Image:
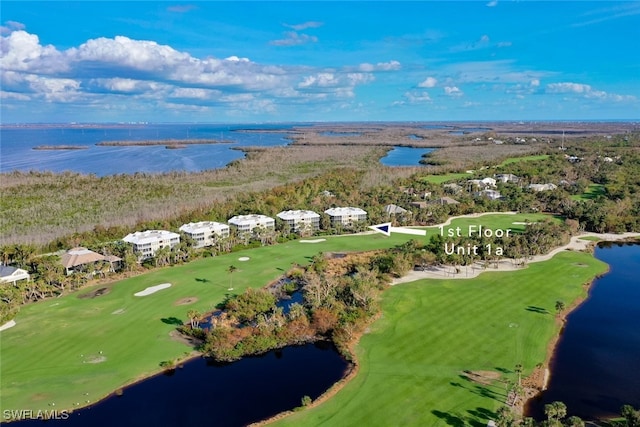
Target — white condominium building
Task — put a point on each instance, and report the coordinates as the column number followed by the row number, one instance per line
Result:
column 345, row 216
column 300, row 220
column 247, row 223
column 146, row 243
column 205, row 233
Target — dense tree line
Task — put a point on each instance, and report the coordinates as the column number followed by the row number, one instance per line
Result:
column 556, row 413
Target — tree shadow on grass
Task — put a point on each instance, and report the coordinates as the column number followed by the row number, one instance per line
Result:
column 489, row 391
column 171, row 321
column 535, row 309
column 481, row 416
column 202, row 280
column 449, row 419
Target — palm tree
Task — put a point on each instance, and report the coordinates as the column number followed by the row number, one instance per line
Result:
column 231, row 269
column 575, row 422
column 555, row 411
column 560, row 306
column 505, row 417
column 519, row 372
column 193, row 318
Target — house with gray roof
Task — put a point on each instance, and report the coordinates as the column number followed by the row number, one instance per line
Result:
column 12, row 274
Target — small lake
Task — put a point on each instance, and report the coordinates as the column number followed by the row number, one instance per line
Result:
column 202, row 393
column 404, row 156
column 596, row 365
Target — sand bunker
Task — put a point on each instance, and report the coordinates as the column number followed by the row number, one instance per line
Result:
column 186, row 301
column 94, row 359
column 523, row 223
column 313, row 241
column 9, row 324
column 152, row 289
column 244, row 258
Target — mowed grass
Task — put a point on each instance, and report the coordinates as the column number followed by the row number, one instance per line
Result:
column 47, row 357
column 524, row 159
column 412, row 361
column 440, row 179
column 591, row 238
column 593, row 191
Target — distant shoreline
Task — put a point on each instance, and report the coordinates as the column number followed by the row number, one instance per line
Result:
column 167, row 142
column 60, row 147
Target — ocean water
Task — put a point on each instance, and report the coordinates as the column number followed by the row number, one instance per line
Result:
column 17, row 147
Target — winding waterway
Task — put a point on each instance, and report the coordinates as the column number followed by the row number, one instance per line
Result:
column 596, row 365
column 233, row 394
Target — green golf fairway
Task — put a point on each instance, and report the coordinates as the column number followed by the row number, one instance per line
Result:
column 71, row 350
column 412, row 361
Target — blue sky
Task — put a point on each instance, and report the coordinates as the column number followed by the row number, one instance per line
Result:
column 123, row 61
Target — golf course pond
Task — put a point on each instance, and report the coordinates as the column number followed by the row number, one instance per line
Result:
column 202, row 392
column 595, row 366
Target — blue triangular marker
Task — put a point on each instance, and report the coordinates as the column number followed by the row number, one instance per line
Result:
column 382, row 228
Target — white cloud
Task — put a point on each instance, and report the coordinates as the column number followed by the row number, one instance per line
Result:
column 294, row 39
column 453, row 91
column 234, row 58
column 360, row 78
column 125, row 86
column 503, row 71
column 136, row 54
column 428, row 82
column 194, row 93
column 182, row 8
column 319, row 80
column 568, row 88
column 304, row 25
column 586, row 91
column 492, row 3
column 21, row 51
column 10, row 26
column 13, row 95
column 380, row 66
column 415, row 97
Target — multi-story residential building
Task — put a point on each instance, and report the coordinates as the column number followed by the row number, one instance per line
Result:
column 506, row 177
column 300, row 220
column 248, row 223
column 205, row 233
column 345, row 216
column 146, row 243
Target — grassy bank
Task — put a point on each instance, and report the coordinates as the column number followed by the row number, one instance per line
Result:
column 412, row 362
